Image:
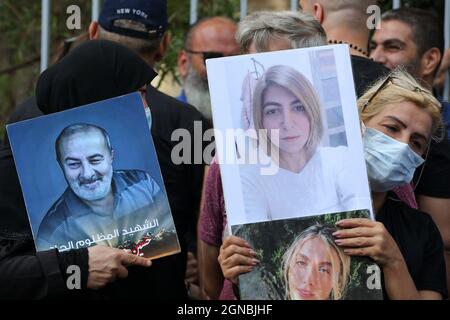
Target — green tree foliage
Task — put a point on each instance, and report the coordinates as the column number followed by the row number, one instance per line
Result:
column 20, row 45
column 20, row 37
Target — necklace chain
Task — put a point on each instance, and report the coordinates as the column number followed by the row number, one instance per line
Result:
column 352, row 46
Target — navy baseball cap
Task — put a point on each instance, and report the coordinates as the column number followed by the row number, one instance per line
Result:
column 151, row 14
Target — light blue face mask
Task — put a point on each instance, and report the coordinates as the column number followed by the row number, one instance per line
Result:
column 390, row 163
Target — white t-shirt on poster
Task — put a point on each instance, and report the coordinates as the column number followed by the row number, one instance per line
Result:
column 327, row 184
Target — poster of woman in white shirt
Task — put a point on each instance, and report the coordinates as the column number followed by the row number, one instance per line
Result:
column 297, row 108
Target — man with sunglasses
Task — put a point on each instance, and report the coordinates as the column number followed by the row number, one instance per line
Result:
column 413, row 38
column 211, row 37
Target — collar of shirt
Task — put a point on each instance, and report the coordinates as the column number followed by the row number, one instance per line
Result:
column 182, row 96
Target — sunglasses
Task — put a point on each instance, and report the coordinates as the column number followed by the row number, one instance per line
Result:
column 397, row 82
column 206, row 54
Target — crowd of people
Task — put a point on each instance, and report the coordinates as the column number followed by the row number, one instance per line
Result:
column 397, row 74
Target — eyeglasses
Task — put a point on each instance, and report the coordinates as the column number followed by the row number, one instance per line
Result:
column 390, row 80
column 206, row 54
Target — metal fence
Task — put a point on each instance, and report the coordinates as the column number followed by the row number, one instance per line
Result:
column 45, row 29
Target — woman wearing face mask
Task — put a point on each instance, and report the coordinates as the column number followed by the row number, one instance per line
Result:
column 400, row 118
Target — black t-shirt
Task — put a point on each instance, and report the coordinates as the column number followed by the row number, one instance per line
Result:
column 433, row 177
column 183, row 182
column 366, row 72
column 419, row 241
column 27, row 109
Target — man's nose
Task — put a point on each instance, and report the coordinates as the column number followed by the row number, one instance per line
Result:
column 87, row 172
column 378, row 55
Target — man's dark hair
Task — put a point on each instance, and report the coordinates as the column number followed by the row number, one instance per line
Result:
column 426, row 29
column 77, row 128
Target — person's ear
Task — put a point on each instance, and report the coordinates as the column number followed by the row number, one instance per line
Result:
column 163, row 46
column 183, row 63
column 430, row 62
column 112, row 155
column 319, row 12
column 93, row 30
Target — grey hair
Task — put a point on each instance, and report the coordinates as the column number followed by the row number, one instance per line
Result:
column 299, row 29
column 141, row 46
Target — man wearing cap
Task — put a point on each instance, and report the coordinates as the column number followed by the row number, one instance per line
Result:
column 211, row 37
column 138, row 24
column 142, row 26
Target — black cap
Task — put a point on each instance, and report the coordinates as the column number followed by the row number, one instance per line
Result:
column 152, row 14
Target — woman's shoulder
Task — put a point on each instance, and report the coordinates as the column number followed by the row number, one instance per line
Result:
column 400, row 213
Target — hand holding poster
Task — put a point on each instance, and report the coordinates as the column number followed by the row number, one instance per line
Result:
column 94, row 179
column 291, row 159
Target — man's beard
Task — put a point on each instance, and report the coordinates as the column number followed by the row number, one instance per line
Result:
column 413, row 68
column 197, row 92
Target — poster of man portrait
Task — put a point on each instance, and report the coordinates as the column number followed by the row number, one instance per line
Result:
column 288, row 134
column 304, row 263
column 90, row 176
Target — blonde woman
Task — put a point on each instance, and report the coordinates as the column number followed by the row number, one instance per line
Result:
column 314, row 267
column 400, row 117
